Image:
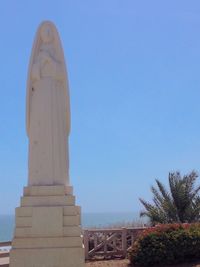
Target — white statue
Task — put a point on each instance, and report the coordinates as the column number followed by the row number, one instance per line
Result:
column 47, row 230
column 48, row 111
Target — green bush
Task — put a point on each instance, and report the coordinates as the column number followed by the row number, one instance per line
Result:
column 166, row 244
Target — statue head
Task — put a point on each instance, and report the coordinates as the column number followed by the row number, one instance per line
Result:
column 46, row 33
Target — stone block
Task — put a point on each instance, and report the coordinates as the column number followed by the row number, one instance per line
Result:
column 71, row 220
column 47, row 242
column 50, row 257
column 47, row 221
column 70, row 210
column 79, row 218
column 78, row 209
column 46, row 201
column 72, row 231
column 50, row 190
column 23, row 221
column 23, row 232
column 23, row 212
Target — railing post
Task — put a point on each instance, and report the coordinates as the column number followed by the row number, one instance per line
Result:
column 86, row 244
column 132, row 238
column 124, row 241
column 95, row 241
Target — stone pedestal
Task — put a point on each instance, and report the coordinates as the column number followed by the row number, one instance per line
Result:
column 47, row 232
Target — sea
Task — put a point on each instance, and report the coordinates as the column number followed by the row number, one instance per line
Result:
column 89, row 220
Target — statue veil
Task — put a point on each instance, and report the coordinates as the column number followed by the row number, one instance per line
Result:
column 59, row 56
column 48, row 110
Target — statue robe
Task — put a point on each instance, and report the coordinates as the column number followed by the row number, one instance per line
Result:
column 48, row 143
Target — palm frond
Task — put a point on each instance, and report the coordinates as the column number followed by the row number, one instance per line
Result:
column 180, row 204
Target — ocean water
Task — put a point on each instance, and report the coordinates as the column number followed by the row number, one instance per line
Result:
column 89, row 220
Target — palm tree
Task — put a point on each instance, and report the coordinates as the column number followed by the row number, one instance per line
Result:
column 181, row 204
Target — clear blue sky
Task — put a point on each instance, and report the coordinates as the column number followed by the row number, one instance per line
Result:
column 134, row 73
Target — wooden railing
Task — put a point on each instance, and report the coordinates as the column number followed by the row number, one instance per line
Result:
column 104, row 243
column 108, row 243
column 4, row 253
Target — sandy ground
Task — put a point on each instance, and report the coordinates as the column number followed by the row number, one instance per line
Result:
column 4, row 262
column 108, row 263
column 125, row 263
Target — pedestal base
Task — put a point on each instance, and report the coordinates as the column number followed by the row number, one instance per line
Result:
column 47, row 232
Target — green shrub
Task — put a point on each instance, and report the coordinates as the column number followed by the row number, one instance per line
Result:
column 166, row 244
